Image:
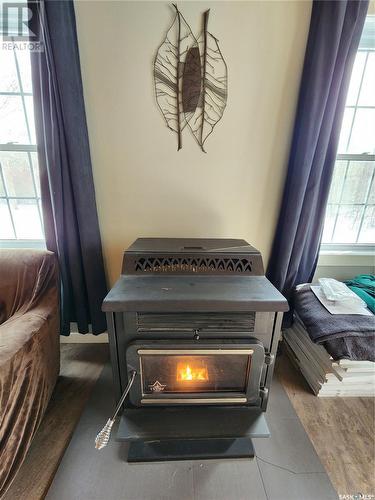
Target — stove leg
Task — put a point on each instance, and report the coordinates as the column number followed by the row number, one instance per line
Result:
column 190, row 449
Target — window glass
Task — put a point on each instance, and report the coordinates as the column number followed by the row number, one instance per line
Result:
column 8, row 73
column 347, row 224
column 367, row 96
column 23, row 59
column 25, row 213
column 357, row 182
column 6, row 227
column 346, row 127
column 367, row 234
column 17, row 174
column 338, row 181
column 13, row 127
column 356, row 78
column 363, row 132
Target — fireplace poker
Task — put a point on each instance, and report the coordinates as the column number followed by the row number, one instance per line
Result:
column 102, row 438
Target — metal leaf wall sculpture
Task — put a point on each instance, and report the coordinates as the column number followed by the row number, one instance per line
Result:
column 190, row 80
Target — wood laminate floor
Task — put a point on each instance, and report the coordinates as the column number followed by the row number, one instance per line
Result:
column 341, row 429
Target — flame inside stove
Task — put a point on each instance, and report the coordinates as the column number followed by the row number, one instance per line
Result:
column 191, row 371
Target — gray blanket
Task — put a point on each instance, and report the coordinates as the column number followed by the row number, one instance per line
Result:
column 345, row 336
column 354, row 348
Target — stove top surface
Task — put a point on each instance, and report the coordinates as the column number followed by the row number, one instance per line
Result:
column 191, row 246
column 158, row 293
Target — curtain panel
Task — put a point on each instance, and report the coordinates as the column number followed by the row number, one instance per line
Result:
column 67, row 188
column 334, row 35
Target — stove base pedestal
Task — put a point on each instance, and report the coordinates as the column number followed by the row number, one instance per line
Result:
column 191, row 433
column 188, row 422
column 190, row 449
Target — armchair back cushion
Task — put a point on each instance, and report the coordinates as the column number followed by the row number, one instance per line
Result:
column 25, row 276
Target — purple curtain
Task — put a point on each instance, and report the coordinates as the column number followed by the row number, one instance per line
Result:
column 333, row 40
column 67, row 188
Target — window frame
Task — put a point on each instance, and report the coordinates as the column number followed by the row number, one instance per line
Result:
column 353, row 247
column 22, row 148
column 357, row 248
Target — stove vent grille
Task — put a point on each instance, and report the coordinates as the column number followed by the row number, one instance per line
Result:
column 201, row 265
column 190, row 322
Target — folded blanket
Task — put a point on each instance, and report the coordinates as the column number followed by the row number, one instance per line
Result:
column 364, row 286
column 354, row 348
column 321, row 325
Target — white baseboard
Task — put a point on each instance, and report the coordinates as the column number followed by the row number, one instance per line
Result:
column 88, row 338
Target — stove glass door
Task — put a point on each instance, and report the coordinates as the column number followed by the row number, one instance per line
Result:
column 197, row 371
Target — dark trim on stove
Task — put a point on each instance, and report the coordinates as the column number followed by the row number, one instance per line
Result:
column 113, row 350
column 274, row 345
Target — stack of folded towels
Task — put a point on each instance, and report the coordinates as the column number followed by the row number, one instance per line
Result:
column 332, row 340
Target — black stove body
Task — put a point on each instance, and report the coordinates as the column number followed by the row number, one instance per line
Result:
column 199, row 323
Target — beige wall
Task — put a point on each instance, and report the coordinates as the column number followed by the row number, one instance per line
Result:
column 144, row 187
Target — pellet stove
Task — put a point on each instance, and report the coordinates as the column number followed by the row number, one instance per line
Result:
column 194, row 324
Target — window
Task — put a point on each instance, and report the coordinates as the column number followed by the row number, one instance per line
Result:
column 20, row 208
column 350, row 215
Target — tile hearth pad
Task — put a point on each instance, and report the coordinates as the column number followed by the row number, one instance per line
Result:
column 286, row 467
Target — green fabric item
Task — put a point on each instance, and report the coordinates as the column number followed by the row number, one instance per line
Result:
column 364, row 286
